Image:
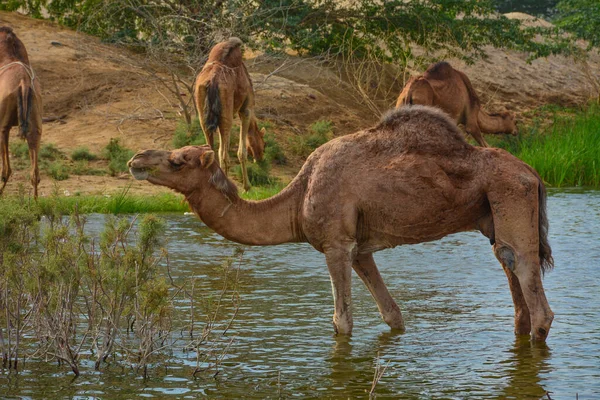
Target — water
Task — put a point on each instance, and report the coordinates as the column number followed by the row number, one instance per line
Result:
column 456, row 303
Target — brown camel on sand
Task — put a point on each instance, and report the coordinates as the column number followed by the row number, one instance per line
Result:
column 224, row 88
column 412, row 178
column 449, row 89
column 20, row 103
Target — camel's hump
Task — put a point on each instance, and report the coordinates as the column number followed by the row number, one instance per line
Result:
column 423, row 129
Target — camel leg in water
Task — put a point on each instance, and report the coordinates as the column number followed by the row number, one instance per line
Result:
column 339, row 262
column 242, row 152
column 517, row 247
column 6, row 171
column 522, row 318
column 366, row 269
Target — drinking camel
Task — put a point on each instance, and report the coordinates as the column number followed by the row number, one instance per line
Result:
column 451, row 90
column 20, row 104
column 411, row 179
column 224, row 88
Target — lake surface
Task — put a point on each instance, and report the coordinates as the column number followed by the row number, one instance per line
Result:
column 459, row 340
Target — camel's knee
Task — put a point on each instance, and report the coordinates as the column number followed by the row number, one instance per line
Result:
column 506, row 256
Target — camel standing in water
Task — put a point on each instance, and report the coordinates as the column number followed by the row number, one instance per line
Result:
column 222, row 89
column 20, row 103
column 449, row 89
column 411, row 179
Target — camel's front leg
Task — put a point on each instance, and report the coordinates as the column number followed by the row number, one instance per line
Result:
column 242, row 152
column 472, row 128
column 339, row 262
column 365, row 268
column 6, row 171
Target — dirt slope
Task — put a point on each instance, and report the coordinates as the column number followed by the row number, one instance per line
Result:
column 103, row 95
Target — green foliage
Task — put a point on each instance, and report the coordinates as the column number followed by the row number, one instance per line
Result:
column 57, row 170
column 321, row 133
column 117, row 157
column 566, row 153
column 184, row 136
column 82, row 153
column 20, row 154
column 50, row 152
column 581, row 17
column 273, row 152
column 258, row 173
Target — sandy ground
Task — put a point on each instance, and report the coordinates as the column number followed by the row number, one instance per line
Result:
column 103, row 95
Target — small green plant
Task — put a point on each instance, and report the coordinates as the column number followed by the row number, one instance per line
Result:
column 117, row 156
column 83, row 154
column 273, row 152
column 58, row 170
column 182, row 137
column 20, row 155
column 50, row 152
column 321, row 133
column 258, row 173
column 83, row 168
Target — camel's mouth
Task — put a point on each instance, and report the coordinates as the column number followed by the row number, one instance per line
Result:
column 140, row 174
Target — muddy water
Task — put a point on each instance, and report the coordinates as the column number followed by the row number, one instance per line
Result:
column 455, row 299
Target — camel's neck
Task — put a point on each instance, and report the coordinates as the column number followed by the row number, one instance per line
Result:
column 492, row 124
column 272, row 221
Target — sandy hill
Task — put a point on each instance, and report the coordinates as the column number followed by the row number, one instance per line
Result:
column 103, row 95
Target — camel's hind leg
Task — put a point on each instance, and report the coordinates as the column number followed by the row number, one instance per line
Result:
column 6, row 171
column 515, row 209
column 33, row 141
column 365, row 268
column 472, row 126
column 242, row 153
column 522, row 317
column 225, row 124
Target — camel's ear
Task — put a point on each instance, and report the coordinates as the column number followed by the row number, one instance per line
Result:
column 262, row 131
column 207, row 158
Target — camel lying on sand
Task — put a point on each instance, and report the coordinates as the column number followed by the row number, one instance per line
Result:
column 449, row 89
column 224, row 88
column 20, row 103
column 412, row 178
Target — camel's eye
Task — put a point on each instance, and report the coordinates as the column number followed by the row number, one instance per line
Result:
column 176, row 163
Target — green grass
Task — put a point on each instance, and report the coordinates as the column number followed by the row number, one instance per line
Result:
column 320, row 133
column 566, row 153
column 117, row 157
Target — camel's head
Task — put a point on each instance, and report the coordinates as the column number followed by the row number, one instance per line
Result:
column 255, row 142
column 509, row 121
column 182, row 170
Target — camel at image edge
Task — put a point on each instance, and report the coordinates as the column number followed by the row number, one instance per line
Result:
column 20, row 104
column 412, row 178
column 222, row 88
column 451, row 90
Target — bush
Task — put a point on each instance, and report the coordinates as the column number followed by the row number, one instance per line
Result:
column 273, row 152
column 258, row 173
column 322, row 132
column 182, row 137
column 57, row 170
column 117, row 157
column 82, row 153
column 50, row 152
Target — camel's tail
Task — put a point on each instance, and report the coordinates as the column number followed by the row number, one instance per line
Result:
column 546, row 259
column 212, row 107
column 25, row 100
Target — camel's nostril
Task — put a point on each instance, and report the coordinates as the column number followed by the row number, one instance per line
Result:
column 542, row 332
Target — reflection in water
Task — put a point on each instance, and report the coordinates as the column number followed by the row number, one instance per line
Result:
column 526, row 360
column 454, row 297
